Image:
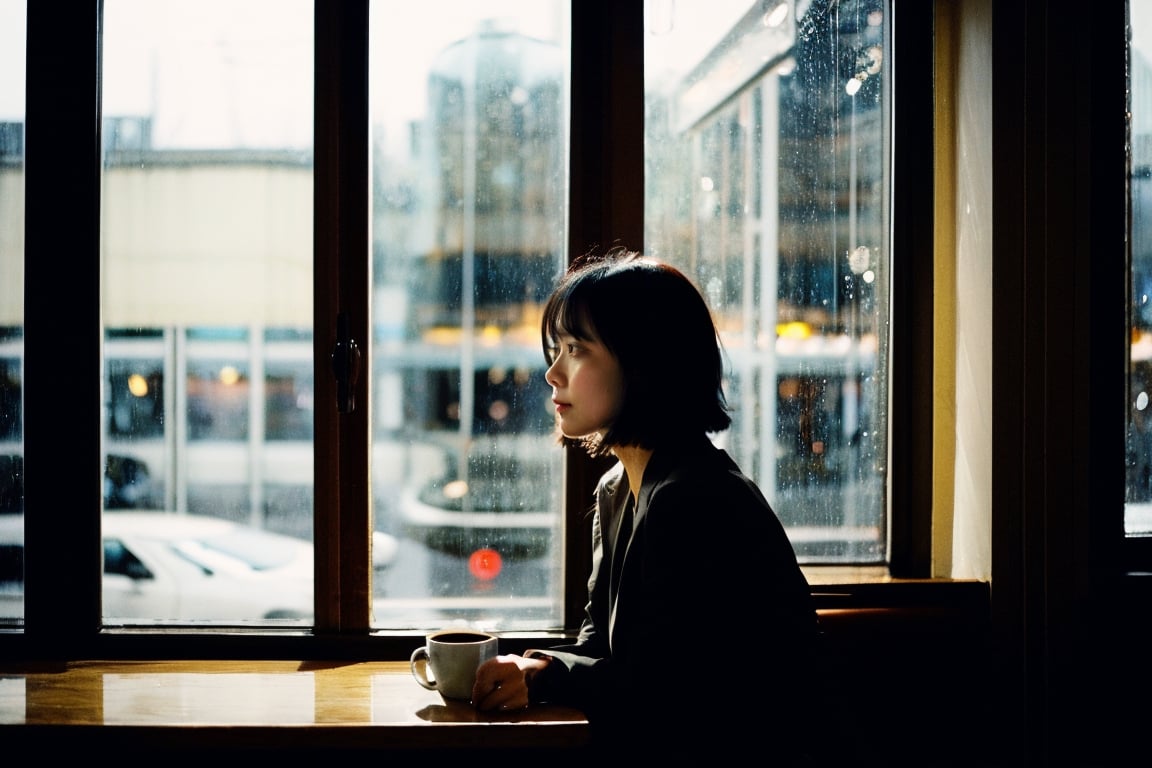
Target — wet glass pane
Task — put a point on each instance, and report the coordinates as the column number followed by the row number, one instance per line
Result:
column 207, row 308
column 1138, row 510
column 469, row 115
column 766, row 182
column 13, row 24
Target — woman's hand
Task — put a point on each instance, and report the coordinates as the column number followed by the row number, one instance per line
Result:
column 502, row 683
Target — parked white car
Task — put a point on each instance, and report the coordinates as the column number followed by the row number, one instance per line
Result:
column 172, row 567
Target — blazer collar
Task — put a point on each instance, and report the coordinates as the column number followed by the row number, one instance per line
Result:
column 664, row 461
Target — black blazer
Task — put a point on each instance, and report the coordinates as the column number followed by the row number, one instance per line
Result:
column 700, row 612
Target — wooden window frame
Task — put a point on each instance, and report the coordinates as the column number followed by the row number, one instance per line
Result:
column 63, row 584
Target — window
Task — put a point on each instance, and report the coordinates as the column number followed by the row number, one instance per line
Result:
column 12, row 71
column 766, row 177
column 230, row 286
column 468, row 113
column 206, row 264
column 1138, row 507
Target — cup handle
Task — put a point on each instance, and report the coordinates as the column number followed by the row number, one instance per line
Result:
column 420, row 670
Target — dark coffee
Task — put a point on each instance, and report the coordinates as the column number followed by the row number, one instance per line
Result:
column 460, row 637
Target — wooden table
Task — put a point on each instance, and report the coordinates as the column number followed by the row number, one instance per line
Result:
column 260, row 704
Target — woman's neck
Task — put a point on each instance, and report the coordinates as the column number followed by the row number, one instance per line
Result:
column 635, row 459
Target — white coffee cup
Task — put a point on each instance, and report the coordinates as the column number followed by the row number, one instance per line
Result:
column 452, row 656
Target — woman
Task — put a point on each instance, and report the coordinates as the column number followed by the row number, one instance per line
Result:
column 682, row 539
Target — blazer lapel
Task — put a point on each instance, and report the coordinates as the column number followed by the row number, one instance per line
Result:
column 621, row 536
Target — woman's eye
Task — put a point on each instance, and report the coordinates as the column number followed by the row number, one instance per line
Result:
column 572, row 349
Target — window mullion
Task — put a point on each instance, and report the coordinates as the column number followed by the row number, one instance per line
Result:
column 606, row 204
column 910, row 482
column 62, row 395
column 342, row 281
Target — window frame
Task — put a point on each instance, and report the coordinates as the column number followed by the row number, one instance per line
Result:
column 606, row 159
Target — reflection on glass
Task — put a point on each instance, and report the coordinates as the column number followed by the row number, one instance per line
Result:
column 288, row 402
column 13, row 23
column 765, row 178
column 135, row 397
column 1138, row 510
column 207, row 305
column 218, row 394
column 469, row 116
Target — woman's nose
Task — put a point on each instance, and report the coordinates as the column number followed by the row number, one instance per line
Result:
column 552, row 375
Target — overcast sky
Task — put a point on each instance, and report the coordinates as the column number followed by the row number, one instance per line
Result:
column 204, row 71
column 240, row 73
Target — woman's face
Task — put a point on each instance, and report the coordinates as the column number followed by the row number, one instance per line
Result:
column 587, row 386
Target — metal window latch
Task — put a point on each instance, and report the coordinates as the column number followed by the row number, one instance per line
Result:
column 345, row 366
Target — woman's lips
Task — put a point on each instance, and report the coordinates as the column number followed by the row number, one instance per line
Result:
column 561, row 407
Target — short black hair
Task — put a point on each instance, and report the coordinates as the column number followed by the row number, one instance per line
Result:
column 655, row 322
